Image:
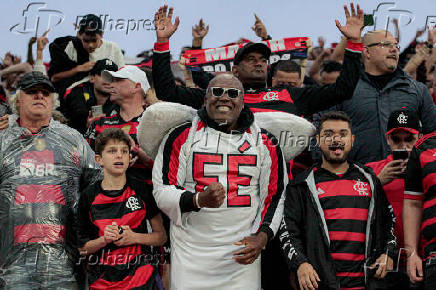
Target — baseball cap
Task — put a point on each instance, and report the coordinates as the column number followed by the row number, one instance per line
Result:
column 251, row 47
column 34, row 78
column 101, row 65
column 404, row 120
column 130, row 72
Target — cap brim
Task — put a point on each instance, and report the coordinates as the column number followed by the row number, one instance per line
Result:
column 46, row 85
column 108, row 75
column 256, row 47
column 410, row 130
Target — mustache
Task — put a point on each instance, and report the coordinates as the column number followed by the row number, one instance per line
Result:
column 336, row 146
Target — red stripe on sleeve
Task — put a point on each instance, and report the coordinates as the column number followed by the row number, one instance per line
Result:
column 174, row 157
column 273, row 177
column 427, row 157
column 429, row 203
column 39, row 233
column 428, row 222
column 39, row 194
column 429, row 181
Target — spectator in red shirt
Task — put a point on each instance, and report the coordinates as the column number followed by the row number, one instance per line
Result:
column 403, row 130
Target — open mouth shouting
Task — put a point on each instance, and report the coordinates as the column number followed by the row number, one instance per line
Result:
column 337, row 149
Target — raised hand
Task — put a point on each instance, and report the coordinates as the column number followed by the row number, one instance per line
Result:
column 354, row 25
column 200, row 30
column 259, row 28
column 42, row 41
column 163, row 23
column 431, row 35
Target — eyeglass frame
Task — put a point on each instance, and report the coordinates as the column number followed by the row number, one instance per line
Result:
column 385, row 44
column 225, row 92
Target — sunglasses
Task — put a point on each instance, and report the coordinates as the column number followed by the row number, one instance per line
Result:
column 219, row 92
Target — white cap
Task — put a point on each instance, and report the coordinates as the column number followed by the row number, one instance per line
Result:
column 130, row 72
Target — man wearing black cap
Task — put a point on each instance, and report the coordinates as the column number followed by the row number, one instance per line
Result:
column 403, row 130
column 250, row 67
column 73, row 57
column 77, row 102
column 43, row 163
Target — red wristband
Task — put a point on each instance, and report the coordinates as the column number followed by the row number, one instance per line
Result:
column 165, row 46
column 354, row 46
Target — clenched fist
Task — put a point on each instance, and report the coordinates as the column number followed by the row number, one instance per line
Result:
column 212, row 197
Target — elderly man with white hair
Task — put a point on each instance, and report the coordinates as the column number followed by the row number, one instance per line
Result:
column 42, row 165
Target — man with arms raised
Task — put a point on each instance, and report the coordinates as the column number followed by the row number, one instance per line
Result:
column 250, row 67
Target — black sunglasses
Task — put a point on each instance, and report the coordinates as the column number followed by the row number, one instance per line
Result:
column 218, row 92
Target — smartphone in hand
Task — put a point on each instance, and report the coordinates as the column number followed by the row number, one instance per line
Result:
column 97, row 110
column 402, row 154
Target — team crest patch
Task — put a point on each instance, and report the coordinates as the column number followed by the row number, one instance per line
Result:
column 133, row 203
column 402, row 119
column 361, row 187
column 271, row 96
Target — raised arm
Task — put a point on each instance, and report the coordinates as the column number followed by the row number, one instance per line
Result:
column 310, row 100
column 163, row 79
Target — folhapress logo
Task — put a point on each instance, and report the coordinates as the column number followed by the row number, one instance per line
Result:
column 37, row 18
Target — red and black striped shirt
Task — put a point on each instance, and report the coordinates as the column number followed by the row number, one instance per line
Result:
column 421, row 185
column 120, row 267
column 345, row 201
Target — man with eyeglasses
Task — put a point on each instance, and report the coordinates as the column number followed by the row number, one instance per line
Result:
column 42, row 165
column 403, row 131
column 220, row 180
column 381, row 90
column 338, row 225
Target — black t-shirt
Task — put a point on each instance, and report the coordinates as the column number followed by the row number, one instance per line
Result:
column 380, row 81
column 132, row 206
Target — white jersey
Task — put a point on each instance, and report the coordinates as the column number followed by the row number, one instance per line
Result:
column 253, row 172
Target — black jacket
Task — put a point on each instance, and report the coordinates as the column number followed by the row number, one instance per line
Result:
column 299, row 101
column 303, row 232
column 77, row 103
column 61, row 62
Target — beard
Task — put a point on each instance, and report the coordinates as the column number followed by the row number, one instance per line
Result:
column 334, row 159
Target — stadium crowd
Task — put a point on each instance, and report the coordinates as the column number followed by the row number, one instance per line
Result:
column 167, row 174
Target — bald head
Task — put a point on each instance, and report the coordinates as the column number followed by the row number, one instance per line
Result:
column 226, row 80
column 375, row 36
